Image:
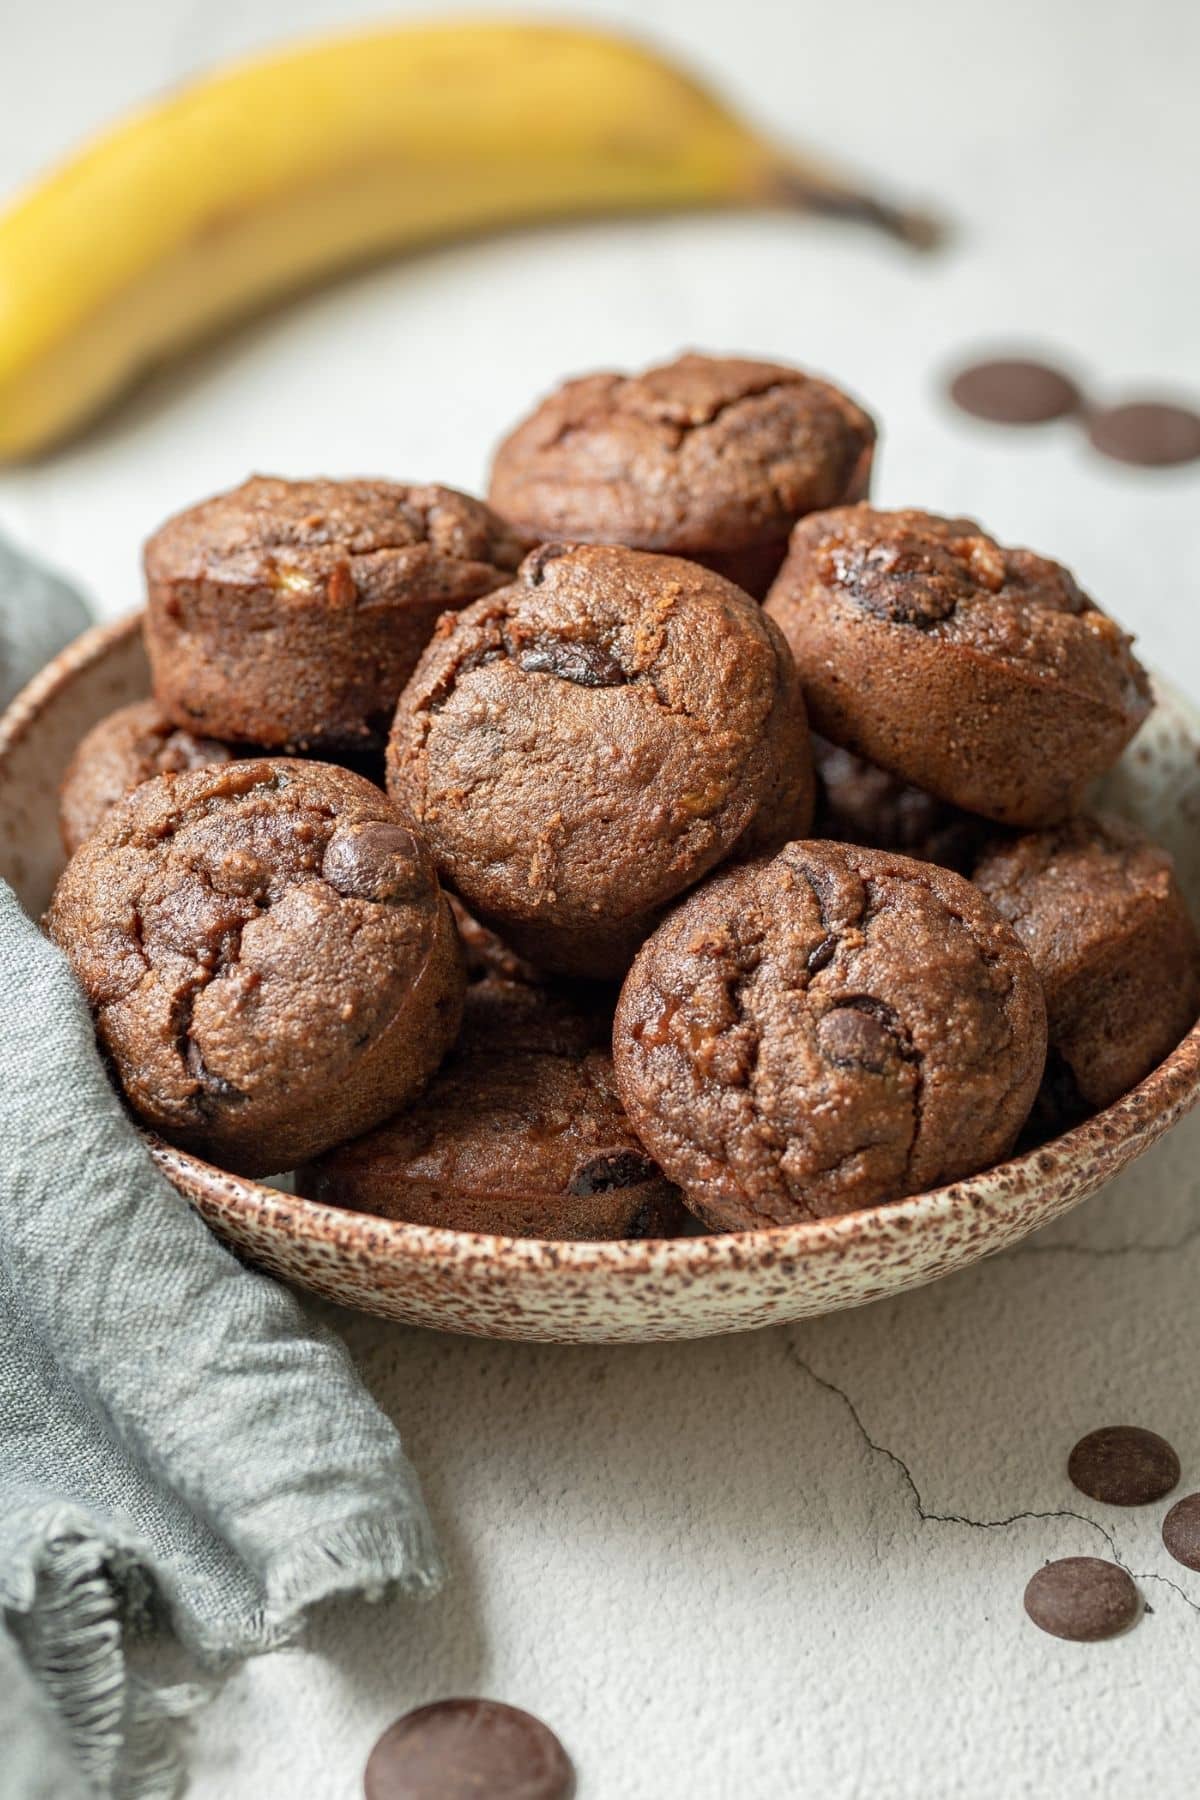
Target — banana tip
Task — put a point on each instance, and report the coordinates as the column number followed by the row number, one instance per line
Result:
column 919, row 229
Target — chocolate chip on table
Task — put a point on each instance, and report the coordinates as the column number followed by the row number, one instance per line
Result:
column 1123, row 1465
column 463, row 1749
column 1181, row 1531
column 1151, row 433
column 1082, row 1598
column 1014, row 391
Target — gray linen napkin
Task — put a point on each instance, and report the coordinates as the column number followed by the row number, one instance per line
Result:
column 181, row 1449
column 39, row 613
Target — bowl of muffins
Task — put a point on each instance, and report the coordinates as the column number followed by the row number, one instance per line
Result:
column 674, row 896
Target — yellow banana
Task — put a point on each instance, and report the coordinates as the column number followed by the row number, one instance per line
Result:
column 276, row 172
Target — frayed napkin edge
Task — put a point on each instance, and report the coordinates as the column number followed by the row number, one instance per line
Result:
column 365, row 1555
column 82, row 1591
column 85, row 1592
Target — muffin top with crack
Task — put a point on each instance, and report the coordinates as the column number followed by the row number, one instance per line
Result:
column 828, row 1030
column 981, row 674
column 355, row 542
column 270, row 960
column 704, row 454
column 582, row 746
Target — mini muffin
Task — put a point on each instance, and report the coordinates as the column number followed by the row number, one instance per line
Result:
column 520, row 1133
column 980, row 674
column 582, row 746
column 860, row 804
column 128, row 747
column 270, row 960
column 831, row 1029
column 291, row 613
column 1099, row 910
column 711, row 458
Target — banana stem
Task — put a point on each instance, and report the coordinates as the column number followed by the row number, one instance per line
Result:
column 808, row 190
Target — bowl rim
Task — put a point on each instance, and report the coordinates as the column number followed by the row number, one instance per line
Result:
column 1163, row 1096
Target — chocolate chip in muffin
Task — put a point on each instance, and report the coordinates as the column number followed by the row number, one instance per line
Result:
column 983, row 675
column 710, row 458
column 1099, row 910
column 581, row 747
column 269, row 958
column 519, row 1133
column 291, row 613
column 832, row 1029
column 376, row 860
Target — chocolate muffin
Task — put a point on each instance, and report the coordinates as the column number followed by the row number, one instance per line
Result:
column 291, row 613
column 126, row 748
column 582, row 746
column 831, row 1029
column 269, row 958
column 1099, row 910
column 980, row 674
column 860, row 804
column 519, row 1133
column 712, row 458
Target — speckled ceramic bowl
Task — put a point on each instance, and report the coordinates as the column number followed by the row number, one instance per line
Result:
column 687, row 1287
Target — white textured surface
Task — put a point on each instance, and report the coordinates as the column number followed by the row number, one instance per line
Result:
column 723, row 1568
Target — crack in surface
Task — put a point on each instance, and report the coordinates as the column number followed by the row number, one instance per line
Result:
column 950, row 1518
